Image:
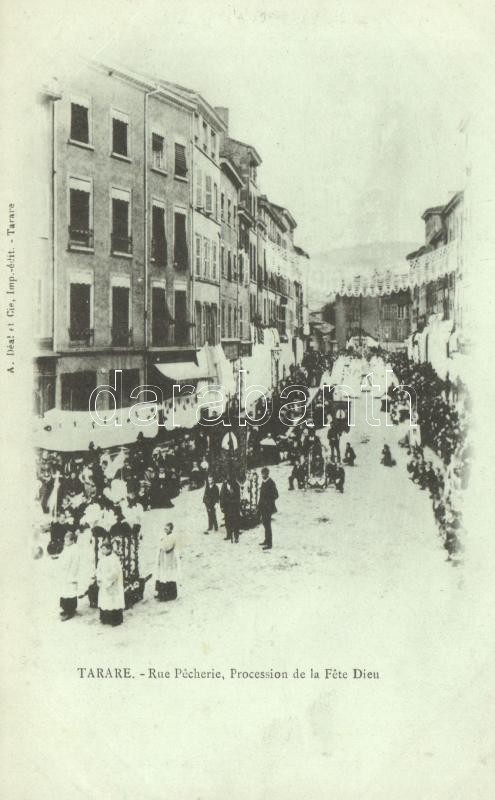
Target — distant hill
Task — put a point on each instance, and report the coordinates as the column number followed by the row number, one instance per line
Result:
column 327, row 269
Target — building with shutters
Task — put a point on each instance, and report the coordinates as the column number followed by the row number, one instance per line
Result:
column 443, row 250
column 115, row 288
column 234, row 278
column 151, row 239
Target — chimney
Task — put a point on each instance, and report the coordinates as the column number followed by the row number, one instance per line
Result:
column 223, row 113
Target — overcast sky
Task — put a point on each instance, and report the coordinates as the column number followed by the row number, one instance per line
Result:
column 354, row 107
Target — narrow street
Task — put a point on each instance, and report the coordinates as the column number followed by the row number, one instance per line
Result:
column 335, row 557
column 355, row 581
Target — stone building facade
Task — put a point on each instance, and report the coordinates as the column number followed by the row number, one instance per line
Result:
column 150, row 223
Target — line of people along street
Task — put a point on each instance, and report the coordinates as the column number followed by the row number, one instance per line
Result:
column 92, row 491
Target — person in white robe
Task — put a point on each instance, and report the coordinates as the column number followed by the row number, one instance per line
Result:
column 69, row 561
column 167, row 566
column 110, row 580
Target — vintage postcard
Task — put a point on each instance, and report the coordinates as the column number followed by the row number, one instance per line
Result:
column 248, row 257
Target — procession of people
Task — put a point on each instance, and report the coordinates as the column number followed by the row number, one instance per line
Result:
column 95, row 500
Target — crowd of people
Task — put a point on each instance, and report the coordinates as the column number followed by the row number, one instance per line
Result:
column 95, row 500
column 442, row 415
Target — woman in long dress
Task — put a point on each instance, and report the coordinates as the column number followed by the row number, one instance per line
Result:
column 110, row 580
column 167, row 566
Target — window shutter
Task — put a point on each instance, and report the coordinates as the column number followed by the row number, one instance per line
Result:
column 199, row 189
column 208, row 194
column 157, row 150
column 159, row 241
column 180, row 241
column 180, row 161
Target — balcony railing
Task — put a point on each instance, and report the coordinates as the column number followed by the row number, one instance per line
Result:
column 80, row 237
column 121, row 337
column 79, row 337
column 121, row 244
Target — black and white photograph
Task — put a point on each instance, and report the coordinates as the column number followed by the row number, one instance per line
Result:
column 248, row 259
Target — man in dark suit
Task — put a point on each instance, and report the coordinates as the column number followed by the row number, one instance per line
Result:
column 211, row 497
column 266, row 506
column 230, row 503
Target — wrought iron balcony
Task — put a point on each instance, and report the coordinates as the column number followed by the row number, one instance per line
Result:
column 121, row 337
column 80, row 237
column 121, row 244
column 79, row 337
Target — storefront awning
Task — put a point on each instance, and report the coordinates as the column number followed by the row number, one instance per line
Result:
column 186, row 370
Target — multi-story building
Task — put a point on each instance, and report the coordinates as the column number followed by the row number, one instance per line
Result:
column 234, row 287
column 246, row 161
column 280, row 278
column 383, row 317
column 435, row 277
column 120, row 273
column 152, row 226
column 435, row 267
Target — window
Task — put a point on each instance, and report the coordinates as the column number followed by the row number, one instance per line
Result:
column 234, row 257
column 229, row 322
column 197, row 255
column 234, row 217
column 222, row 320
column 180, row 161
column 229, row 211
column 180, row 241
column 180, row 318
column 222, row 207
column 80, row 214
column 235, row 323
column 79, row 121
column 120, row 316
column 213, row 144
column 222, row 260
column 241, row 268
column 158, row 151
column 229, row 266
column 213, row 261
column 241, row 322
column 80, row 312
column 215, row 200
column 76, row 390
column 120, row 134
column 205, row 137
column 158, row 238
column 121, row 222
column 208, row 195
column 130, row 380
column 206, row 258
column 402, row 312
column 160, row 317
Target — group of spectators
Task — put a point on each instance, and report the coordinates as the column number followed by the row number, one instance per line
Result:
column 442, row 416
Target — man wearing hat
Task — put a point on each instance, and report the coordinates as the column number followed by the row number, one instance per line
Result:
column 266, row 505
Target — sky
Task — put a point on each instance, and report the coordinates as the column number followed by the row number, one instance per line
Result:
column 355, row 107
